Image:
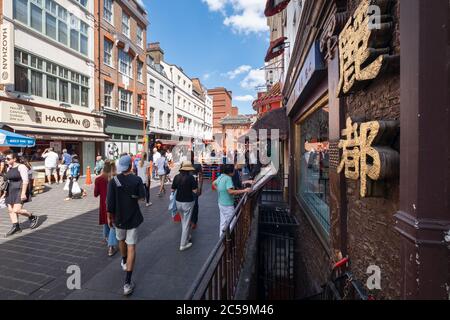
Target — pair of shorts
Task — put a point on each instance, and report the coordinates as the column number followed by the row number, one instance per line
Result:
column 50, row 171
column 130, row 236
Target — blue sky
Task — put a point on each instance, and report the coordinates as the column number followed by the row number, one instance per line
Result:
column 223, row 42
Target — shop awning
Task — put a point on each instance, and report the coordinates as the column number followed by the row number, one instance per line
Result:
column 276, row 49
column 275, row 6
column 273, row 95
column 60, row 134
column 11, row 139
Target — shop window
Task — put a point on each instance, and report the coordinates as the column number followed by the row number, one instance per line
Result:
column 312, row 180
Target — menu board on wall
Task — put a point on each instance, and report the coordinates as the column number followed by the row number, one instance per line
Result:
column 56, row 145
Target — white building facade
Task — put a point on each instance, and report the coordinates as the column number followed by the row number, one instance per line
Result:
column 178, row 105
column 52, row 96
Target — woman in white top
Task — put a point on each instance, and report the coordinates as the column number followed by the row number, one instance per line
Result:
column 161, row 165
column 143, row 171
column 17, row 193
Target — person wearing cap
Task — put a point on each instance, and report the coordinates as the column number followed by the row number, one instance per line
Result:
column 186, row 186
column 124, row 192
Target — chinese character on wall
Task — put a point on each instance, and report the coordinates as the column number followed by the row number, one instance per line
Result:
column 364, row 45
column 366, row 153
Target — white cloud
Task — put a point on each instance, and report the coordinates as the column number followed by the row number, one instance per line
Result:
column 239, row 70
column 206, row 76
column 244, row 98
column 243, row 16
column 254, row 78
column 215, row 5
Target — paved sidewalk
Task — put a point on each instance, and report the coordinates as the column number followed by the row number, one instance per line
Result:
column 33, row 264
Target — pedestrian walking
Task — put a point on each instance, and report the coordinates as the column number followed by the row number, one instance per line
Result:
column 101, row 190
column 143, row 171
column 66, row 160
column 225, row 188
column 3, row 182
column 198, row 176
column 24, row 160
column 51, row 164
column 162, row 170
column 185, row 185
column 99, row 165
column 17, row 193
column 155, row 157
column 124, row 192
column 74, row 174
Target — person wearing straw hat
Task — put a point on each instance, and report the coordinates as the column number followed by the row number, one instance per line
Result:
column 186, row 186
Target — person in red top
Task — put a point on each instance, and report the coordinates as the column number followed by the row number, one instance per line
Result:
column 100, row 190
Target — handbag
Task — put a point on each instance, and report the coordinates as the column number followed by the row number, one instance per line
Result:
column 4, row 183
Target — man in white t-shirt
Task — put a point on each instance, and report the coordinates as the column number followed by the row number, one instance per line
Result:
column 51, row 164
column 156, row 156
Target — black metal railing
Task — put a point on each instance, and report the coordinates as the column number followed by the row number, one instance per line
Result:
column 219, row 276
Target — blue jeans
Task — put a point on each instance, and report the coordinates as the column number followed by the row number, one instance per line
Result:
column 110, row 233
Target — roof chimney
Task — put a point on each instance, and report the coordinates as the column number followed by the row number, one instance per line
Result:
column 155, row 51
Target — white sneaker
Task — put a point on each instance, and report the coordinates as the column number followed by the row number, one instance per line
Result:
column 128, row 289
column 182, row 248
column 148, row 204
column 123, row 265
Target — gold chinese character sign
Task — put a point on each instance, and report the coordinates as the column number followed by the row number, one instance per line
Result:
column 366, row 153
column 364, row 45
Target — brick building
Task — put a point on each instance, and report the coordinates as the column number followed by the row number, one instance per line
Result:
column 222, row 106
column 387, row 204
column 121, row 73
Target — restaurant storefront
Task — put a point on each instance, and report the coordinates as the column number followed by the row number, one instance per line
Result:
column 125, row 134
column 80, row 133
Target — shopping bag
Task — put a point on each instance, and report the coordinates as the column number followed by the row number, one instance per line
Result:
column 173, row 204
column 66, row 186
column 76, row 188
column 177, row 218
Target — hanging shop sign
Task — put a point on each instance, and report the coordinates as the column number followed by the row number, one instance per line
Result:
column 310, row 74
column 7, row 54
column 364, row 45
column 366, row 152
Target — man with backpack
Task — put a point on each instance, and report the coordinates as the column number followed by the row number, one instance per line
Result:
column 124, row 192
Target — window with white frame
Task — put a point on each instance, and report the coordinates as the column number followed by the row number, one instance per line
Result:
column 152, row 87
column 52, row 20
column 40, row 77
column 125, row 24
column 108, row 95
column 140, row 66
column 125, row 63
column 169, row 121
column 108, row 52
column 108, row 10
column 140, row 36
column 126, row 101
column 161, row 118
column 152, row 116
column 169, row 97
column 161, row 92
